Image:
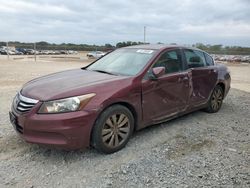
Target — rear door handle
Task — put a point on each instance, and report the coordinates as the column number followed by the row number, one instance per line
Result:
column 185, row 78
column 212, row 71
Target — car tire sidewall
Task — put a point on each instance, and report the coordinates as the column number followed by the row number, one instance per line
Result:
column 96, row 138
column 209, row 107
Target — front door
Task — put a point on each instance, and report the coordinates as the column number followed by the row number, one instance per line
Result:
column 167, row 95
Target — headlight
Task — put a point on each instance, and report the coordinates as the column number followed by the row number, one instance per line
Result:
column 66, row 105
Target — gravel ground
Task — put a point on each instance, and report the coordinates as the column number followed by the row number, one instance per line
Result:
column 196, row 150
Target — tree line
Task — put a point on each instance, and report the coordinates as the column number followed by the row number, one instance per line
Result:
column 220, row 49
column 214, row 49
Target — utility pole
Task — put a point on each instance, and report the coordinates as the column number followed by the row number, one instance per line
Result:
column 35, row 50
column 65, row 53
column 7, row 44
column 144, row 34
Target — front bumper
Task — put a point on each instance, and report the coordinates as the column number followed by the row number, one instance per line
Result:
column 67, row 130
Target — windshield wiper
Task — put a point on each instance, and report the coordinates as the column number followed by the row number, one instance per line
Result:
column 105, row 72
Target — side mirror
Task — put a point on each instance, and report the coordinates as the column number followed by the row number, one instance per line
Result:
column 157, row 72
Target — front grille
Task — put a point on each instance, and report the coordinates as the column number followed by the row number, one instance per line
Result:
column 23, row 104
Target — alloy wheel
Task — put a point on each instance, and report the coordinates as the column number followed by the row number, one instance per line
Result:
column 217, row 98
column 115, row 130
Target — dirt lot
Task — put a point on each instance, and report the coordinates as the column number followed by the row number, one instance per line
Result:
column 197, row 150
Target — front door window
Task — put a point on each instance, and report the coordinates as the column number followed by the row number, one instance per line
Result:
column 171, row 60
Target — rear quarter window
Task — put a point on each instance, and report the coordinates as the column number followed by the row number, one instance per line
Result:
column 209, row 60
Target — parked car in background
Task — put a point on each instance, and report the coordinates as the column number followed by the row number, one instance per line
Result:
column 3, row 51
column 30, row 52
column 11, row 52
column 63, row 52
column 126, row 90
column 95, row 54
column 232, row 58
column 72, row 52
column 22, row 50
column 18, row 52
column 246, row 59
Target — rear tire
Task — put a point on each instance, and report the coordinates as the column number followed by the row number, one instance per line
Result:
column 215, row 101
column 112, row 129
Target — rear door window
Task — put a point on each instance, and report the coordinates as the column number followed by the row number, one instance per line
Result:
column 209, row 60
column 194, row 58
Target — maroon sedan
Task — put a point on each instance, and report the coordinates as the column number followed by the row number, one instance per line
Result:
column 126, row 90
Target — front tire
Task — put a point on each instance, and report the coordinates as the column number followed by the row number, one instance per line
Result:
column 215, row 101
column 112, row 129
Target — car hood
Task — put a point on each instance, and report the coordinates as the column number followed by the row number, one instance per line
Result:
column 66, row 84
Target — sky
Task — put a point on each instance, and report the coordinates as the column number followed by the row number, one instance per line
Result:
column 224, row 22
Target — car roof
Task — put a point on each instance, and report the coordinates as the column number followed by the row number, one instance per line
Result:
column 153, row 46
column 158, row 47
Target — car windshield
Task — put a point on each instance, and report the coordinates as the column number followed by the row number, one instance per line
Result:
column 123, row 62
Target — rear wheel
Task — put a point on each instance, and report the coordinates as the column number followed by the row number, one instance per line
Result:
column 215, row 101
column 112, row 129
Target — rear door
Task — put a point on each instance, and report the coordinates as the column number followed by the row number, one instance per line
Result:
column 169, row 94
column 204, row 76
